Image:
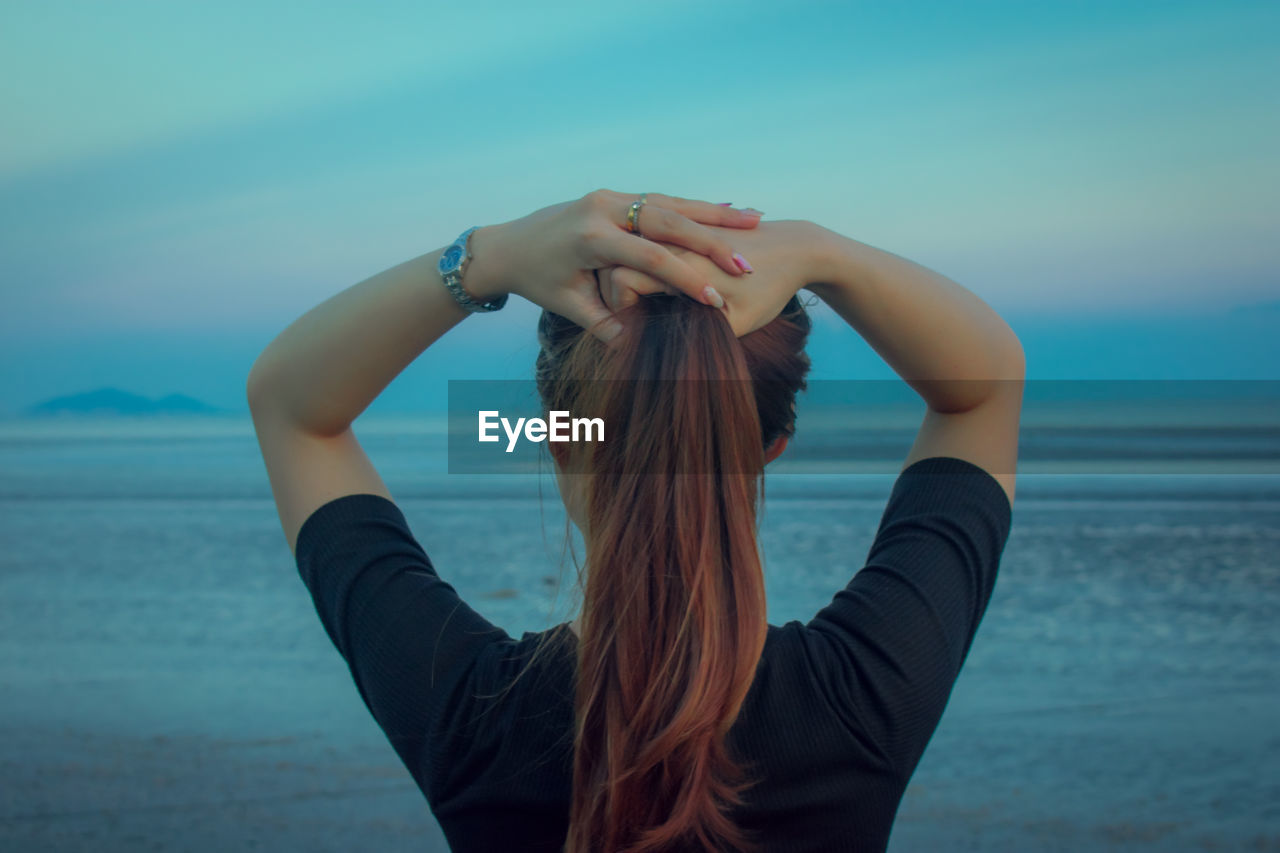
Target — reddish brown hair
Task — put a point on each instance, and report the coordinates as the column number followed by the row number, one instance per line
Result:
column 673, row 615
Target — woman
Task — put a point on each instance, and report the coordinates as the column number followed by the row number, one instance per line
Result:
column 669, row 715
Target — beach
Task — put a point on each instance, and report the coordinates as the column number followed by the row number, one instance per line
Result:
column 168, row 685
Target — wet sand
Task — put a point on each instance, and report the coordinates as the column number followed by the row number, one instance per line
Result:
column 1064, row 778
column 167, row 685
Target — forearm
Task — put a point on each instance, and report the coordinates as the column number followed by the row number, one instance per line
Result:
column 948, row 344
column 326, row 368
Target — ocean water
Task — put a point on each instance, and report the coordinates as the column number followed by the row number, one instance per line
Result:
column 168, row 686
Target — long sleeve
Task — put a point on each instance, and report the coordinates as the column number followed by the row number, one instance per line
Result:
column 893, row 641
column 409, row 640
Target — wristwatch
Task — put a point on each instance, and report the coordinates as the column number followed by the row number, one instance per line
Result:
column 452, row 262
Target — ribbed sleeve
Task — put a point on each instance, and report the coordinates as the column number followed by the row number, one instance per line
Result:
column 408, row 639
column 894, row 639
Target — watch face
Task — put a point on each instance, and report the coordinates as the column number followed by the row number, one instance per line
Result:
column 449, row 260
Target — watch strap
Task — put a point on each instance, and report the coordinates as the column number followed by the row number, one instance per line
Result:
column 452, row 267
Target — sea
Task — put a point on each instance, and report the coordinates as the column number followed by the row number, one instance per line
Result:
column 168, row 686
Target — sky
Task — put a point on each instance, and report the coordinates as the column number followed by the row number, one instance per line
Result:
column 178, row 182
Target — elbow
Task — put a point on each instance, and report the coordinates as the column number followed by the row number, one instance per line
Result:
column 252, row 392
column 994, row 367
column 999, row 371
column 1012, row 360
column 1008, row 367
column 256, row 386
column 1006, row 360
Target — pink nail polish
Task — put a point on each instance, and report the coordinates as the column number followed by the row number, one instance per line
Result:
column 713, row 299
column 742, row 263
column 725, row 203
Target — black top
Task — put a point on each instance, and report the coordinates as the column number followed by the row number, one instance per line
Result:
column 836, row 721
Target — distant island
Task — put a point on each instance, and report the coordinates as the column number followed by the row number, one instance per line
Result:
column 113, row 401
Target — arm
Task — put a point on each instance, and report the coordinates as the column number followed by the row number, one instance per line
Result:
column 949, row 345
column 320, row 373
column 899, row 633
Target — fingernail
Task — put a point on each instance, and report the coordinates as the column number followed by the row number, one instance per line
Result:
column 742, row 263
column 751, row 211
column 726, row 204
column 713, row 299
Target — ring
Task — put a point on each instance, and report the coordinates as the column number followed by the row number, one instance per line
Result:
column 633, row 215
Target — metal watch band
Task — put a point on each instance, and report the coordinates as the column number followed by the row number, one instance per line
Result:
column 451, row 267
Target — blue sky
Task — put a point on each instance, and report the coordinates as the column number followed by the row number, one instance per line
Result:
column 178, row 182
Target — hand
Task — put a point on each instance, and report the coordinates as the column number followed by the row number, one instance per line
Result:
column 550, row 256
column 783, row 254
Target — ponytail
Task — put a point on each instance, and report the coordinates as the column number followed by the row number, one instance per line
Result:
column 673, row 620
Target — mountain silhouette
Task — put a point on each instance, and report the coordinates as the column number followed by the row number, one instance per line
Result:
column 113, row 401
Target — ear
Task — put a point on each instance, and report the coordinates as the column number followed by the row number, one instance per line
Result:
column 775, row 449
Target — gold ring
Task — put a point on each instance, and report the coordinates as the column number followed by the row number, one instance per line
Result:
column 633, row 215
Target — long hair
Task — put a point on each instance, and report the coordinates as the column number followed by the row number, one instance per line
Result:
column 673, row 616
